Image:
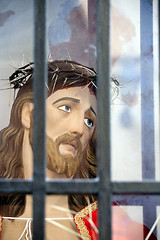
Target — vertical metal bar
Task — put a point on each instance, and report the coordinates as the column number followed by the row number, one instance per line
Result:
column 103, row 147
column 39, row 119
column 147, row 102
column 147, row 88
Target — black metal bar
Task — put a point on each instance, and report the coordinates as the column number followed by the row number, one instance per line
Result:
column 39, row 146
column 103, row 146
column 73, row 186
column 16, row 186
column 51, row 187
column 76, row 185
column 146, row 187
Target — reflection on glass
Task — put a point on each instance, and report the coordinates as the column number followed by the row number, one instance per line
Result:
column 72, row 30
column 135, row 217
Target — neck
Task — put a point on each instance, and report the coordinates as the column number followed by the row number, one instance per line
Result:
column 56, row 206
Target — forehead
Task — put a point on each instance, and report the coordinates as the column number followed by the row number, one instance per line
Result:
column 83, row 94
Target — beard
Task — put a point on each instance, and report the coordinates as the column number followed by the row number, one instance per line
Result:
column 62, row 163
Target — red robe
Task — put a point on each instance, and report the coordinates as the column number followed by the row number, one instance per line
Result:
column 123, row 227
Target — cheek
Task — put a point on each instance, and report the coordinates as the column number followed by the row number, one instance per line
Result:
column 52, row 122
column 55, row 123
column 86, row 137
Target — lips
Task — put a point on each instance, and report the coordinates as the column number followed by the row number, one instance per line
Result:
column 71, row 144
column 68, row 142
column 69, row 147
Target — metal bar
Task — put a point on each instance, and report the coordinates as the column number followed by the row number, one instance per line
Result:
column 147, row 102
column 147, row 187
column 103, row 145
column 39, row 148
column 73, row 186
column 56, row 186
column 150, row 216
column 67, row 186
column 147, row 88
column 76, row 185
column 16, row 186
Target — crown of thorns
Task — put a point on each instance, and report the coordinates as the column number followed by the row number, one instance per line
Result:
column 65, row 70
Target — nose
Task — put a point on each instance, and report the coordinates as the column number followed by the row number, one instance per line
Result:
column 77, row 126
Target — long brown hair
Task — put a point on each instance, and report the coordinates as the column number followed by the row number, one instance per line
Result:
column 61, row 74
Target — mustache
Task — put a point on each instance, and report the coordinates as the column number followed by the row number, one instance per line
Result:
column 69, row 139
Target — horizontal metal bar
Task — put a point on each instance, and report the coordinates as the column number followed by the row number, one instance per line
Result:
column 145, row 187
column 78, row 186
column 73, row 186
column 52, row 187
column 16, row 186
column 93, row 186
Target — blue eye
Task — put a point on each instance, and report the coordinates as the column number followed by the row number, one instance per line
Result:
column 88, row 122
column 65, row 108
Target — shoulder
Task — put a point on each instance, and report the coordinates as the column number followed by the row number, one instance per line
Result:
column 123, row 227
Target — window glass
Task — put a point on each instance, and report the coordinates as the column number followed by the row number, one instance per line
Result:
column 135, row 110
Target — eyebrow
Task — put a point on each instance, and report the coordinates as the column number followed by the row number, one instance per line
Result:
column 73, row 100
column 93, row 110
column 67, row 98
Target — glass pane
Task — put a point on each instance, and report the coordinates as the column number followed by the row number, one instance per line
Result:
column 125, row 53
column 135, row 106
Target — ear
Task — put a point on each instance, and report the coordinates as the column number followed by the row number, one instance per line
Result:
column 26, row 115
